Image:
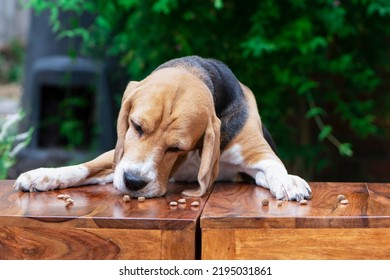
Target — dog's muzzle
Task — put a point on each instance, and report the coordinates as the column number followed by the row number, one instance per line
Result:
column 134, row 182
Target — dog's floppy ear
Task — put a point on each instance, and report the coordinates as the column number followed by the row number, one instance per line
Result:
column 209, row 165
column 123, row 121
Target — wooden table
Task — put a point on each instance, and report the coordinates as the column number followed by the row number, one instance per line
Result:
column 235, row 225
column 99, row 225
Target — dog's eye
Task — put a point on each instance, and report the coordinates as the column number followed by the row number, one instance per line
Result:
column 137, row 128
column 174, row 150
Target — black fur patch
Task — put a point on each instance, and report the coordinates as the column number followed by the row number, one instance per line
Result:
column 230, row 104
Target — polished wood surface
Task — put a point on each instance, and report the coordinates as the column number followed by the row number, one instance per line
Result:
column 97, row 207
column 99, row 225
column 296, row 244
column 235, row 225
column 239, row 205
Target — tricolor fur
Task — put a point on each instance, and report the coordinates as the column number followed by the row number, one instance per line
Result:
column 189, row 120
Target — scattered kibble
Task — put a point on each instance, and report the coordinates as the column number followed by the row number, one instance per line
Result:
column 141, row 199
column 344, row 201
column 195, row 204
column 63, row 196
column 126, row 198
column 173, row 203
column 69, row 200
column 303, row 202
column 279, row 203
column 265, row 202
column 182, row 201
column 66, row 198
column 340, row 197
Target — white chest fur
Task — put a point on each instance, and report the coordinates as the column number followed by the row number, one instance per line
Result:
column 230, row 164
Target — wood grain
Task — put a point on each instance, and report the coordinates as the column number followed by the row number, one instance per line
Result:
column 97, row 206
column 297, row 244
column 239, row 205
column 235, row 225
column 74, row 243
column 99, row 225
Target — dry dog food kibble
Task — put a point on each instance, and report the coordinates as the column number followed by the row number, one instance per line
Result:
column 126, row 198
column 265, row 202
column 182, row 200
column 68, row 202
column 63, row 196
column 141, row 199
column 195, row 204
column 340, row 197
column 303, row 202
column 173, row 203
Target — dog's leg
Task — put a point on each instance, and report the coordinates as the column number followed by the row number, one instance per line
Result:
column 96, row 171
column 259, row 160
column 272, row 174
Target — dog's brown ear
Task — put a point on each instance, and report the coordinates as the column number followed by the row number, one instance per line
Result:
column 209, row 165
column 123, row 121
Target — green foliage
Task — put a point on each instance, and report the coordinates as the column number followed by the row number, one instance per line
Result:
column 11, row 58
column 321, row 62
column 11, row 143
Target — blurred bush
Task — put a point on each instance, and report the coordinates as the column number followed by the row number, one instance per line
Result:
column 11, row 142
column 318, row 68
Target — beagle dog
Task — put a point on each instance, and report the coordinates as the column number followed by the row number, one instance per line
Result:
column 189, row 120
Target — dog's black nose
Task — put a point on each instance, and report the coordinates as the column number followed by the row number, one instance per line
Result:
column 133, row 182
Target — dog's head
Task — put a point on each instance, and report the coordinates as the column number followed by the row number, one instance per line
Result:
column 163, row 117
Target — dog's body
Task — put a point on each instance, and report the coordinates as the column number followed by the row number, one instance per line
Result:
column 189, row 120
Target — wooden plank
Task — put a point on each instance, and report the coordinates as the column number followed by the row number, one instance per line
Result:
column 75, row 243
column 218, row 244
column 235, row 225
column 99, row 225
column 239, row 206
column 300, row 244
column 97, row 207
column 177, row 245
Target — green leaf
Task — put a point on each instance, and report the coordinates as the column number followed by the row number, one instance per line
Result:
column 325, row 132
column 345, row 149
column 306, row 86
column 257, row 46
column 315, row 111
column 383, row 9
column 103, row 23
column 164, row 6
column 218, row 4
column 127, row 4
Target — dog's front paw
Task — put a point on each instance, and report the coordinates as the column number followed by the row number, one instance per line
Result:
column 282, row 185
column 40, row 179
column 290, row 187
column 46, row 179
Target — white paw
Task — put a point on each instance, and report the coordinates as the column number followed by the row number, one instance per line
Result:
column 45, row 179
column 290, row 187
column 282, row 185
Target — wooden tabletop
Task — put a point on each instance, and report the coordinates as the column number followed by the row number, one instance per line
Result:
column 97, row 207
column 239, row 206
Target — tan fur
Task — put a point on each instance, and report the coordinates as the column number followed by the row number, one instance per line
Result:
column 173, row 108
column 254, row 146
column 166, row 124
